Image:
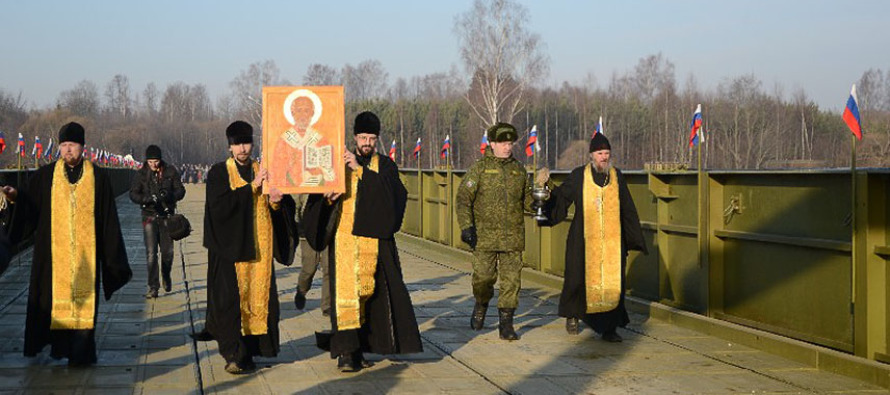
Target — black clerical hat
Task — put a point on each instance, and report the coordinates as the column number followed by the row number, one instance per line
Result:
column 599, row 142
column 73, row 132
column 239, row 132
column 366, row 122
column 153, row 152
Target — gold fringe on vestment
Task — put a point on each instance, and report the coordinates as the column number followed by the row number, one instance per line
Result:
column 355, row 259
column 73, row 239
column 254, row 277
column 602, row 243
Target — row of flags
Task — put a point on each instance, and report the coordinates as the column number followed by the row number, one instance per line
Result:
column 850, row 117
column 696, row 134
column 52, row 152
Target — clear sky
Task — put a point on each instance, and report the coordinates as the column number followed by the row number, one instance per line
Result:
column 821, row 46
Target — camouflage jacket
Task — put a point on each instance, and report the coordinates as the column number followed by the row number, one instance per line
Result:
column 492, row 197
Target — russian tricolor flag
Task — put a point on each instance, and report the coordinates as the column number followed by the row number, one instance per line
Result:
column 20, row 149
column 484, row 144
column 416, row 152
column 851, row 114
column 392, row 151
column 445, row 147
column 531, row 146
column 695, row 134
column 49, row 149
column 599, row 127
column 37, row 151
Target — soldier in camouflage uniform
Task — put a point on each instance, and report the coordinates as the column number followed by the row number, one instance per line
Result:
column 490, row 205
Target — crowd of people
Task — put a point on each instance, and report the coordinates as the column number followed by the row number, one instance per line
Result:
column 192, row 173
column 69, row 208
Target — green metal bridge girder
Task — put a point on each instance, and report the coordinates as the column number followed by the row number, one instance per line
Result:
column 801, row 254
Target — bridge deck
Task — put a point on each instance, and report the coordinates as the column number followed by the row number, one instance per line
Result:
column 144, row 347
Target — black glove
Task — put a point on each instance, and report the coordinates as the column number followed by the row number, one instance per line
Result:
column 468, row 236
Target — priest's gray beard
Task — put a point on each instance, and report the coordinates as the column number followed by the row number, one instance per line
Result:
column 604, row 169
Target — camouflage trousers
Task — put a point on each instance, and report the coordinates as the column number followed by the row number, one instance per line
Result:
column 490, row 266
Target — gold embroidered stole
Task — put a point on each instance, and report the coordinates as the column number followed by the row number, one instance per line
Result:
column 254, row 277
column 602, row 243
column 73, row 238
column 355, row 259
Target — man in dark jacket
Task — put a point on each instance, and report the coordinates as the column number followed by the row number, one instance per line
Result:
column 157, row 187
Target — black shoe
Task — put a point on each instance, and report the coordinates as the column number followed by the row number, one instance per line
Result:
column 477, row 320
column 360, row 362
column 505, row 326
column 572, row 326
column 202, row 336
column 346, row 364
column 612, row 337
column 168, row 284
column 300, row 300
column 151, row 294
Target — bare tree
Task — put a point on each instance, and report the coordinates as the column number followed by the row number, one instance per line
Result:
column 82, row 100
column 365, row 81
column 247, row 89
column 117, row 93
column 500, row 56
column 150, row 97
column 321, row 74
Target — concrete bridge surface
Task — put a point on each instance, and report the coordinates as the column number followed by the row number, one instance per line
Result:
column 144, row 347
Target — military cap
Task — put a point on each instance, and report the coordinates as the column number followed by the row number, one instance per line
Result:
column 501, row 132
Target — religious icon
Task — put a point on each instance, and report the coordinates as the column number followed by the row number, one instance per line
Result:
column 303, row 138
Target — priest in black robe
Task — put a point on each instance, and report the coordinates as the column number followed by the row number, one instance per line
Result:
column 604, row 228
column 243, row 230
column 68, row 206
column 371, row 310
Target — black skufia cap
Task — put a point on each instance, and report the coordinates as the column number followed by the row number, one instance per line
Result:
column 599, row 142
column 73, row 132
column 366, row 122
column 239, row 132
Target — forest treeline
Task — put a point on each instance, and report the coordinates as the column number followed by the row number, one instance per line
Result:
column 646, row 113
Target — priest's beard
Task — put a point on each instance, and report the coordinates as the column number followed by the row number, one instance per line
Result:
column 365, row 150
column 602, row 168
column 72, row 161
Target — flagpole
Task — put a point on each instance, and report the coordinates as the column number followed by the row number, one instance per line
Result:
column 853, row 254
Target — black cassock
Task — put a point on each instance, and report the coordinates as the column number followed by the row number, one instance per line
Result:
column 390, row 326
column 572, row 301
column 229, row 238
column 33, row 215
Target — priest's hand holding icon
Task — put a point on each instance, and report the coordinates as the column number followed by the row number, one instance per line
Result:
column 262, row 176
column 350, row 160
column 275, row 195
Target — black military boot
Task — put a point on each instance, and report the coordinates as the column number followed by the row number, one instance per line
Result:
column 505, row 326
column 477, row 320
